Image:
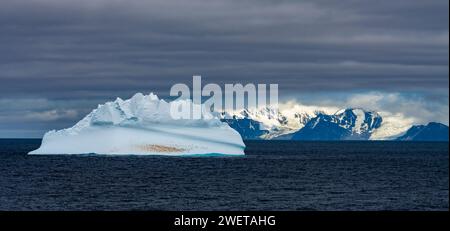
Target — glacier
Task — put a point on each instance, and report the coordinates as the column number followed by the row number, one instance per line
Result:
column 142, row 125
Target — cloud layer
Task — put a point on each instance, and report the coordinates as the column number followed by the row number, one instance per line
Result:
column 76, row 54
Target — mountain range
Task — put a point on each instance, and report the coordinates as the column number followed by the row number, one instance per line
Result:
column 345, row 124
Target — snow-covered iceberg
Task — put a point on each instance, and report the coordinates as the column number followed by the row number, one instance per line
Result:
column 142, row 125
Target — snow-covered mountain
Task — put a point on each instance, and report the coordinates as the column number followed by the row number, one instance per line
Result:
column 430, row 132
column 348, row 124
column 266, row 123
column 345, row 124
column 248, row 129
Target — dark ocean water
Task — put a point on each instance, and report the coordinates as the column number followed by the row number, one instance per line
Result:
column 274, row 175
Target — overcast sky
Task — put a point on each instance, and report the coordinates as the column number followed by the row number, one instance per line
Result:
column 59, row 59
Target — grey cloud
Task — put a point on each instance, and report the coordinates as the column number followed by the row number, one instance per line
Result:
column 95, row 50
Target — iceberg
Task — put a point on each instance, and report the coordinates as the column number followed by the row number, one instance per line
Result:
column 142, row 125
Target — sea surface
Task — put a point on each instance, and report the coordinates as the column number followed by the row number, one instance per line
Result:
column 274, row 175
